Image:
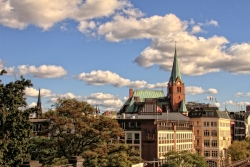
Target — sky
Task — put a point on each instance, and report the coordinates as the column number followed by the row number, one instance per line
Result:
column 95, row 50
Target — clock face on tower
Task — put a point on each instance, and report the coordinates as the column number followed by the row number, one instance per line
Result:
column 178, row 83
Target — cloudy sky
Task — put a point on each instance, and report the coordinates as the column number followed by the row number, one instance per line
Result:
column 95, row 50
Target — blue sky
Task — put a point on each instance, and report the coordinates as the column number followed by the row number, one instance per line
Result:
column 96, row 50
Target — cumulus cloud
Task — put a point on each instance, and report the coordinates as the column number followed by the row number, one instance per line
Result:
column 46, row 13
column 32, row 92
column 100, row 78
column 106, row 77
column 239, row 94
column 193, row 90
column 101, row 96
column 156, row 26
column 234, row 103
column 212, row 91
column 43, row 71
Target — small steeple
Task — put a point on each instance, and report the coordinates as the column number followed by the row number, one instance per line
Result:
column 39, row 104
column 175, row 69
column 183, row 108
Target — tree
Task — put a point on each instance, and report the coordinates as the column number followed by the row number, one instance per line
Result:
column 76, row 131
column 14, row 122
column 239, row 150
column 184, row 159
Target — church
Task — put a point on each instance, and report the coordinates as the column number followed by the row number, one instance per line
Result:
column 155, row 123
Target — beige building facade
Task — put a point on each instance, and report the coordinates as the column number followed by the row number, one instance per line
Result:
column 212, row 135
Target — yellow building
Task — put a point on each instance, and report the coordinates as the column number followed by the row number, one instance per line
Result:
column 212, row 134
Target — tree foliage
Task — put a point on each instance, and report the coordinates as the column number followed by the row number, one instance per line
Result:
column 76, row 131
column 14, row 122
column 239, row 150
column 184, row 159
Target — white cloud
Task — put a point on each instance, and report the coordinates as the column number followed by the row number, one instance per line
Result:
column 101, row 96
column 43, row 71
column 100, row 78
column 212, row 91
column 157, row 85
column 196, row 29
column 213, row 22
column 46, row 13
column 234, row 103
column 239, row 94
column 106, row 77
column 33, row 104
column 193, row 90
column 32, row 92
column 217, row 104
column 156, row 26
column 86, row 27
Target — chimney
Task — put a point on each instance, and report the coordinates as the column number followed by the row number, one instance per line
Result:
column 130, row 92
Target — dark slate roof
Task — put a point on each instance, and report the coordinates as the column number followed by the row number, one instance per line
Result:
column 209, row 112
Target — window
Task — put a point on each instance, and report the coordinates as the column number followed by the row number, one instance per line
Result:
column 206, row 124
column 214, row 124
column 214, row 153
column 138, row 124
column 214, row 133
column 206, row 153
column 131, row 124
column 206, row 143
column 129, row 136
column 137, row 136
column 214, row 143
column 198, row 133
column 179, row 89
column 206, row 132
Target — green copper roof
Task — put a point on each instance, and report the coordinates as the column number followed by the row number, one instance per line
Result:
column 183, row 107
column 143, row 94
column 175, row 69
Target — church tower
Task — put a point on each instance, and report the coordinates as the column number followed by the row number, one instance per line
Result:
column 176, row 88
column 39, row 105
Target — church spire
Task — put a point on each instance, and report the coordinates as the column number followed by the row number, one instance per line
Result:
column 175, row 69
column 39, row 104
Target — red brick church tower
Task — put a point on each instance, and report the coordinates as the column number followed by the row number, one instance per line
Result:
column 176, row 88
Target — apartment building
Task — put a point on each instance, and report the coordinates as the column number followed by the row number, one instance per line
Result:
column 212, row 134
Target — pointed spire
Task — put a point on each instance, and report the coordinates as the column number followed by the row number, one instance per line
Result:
column 175, row 69
column 39, row 103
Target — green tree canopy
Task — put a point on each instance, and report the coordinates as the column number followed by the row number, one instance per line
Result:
column 239, row 150
column 14, row 122
column 76, row 131
column 184, row 159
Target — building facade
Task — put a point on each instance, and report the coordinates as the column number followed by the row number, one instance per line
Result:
column 212, row 134
column 238, row 127
column 156, row 123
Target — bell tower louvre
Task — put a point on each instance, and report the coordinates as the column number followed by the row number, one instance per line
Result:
column 176, row 88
